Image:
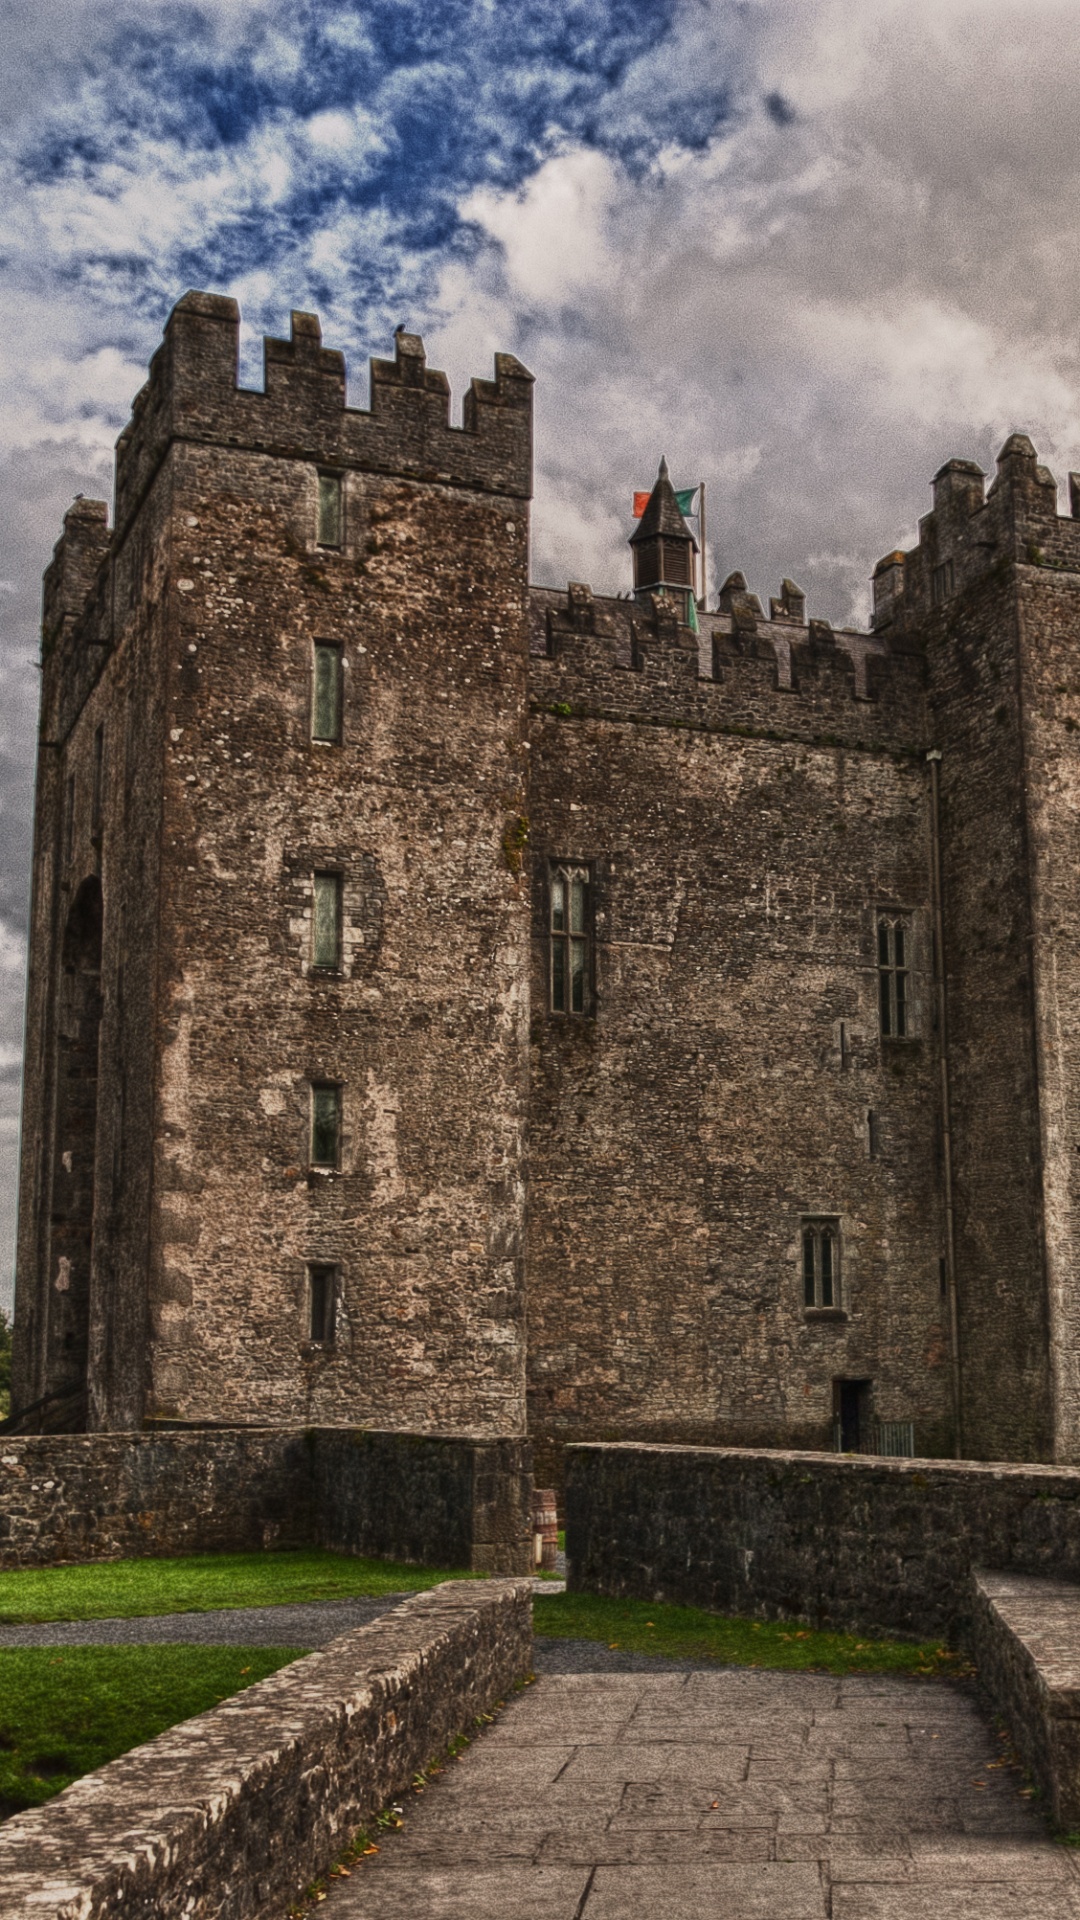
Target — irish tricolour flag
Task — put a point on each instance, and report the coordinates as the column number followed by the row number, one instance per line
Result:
column 684, row 496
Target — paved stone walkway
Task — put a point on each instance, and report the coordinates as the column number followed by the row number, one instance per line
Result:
column 722, row 1795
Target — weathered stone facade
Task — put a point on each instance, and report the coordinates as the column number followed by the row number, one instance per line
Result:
column 741, row 815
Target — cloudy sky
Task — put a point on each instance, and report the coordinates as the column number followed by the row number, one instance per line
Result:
column 807, row 249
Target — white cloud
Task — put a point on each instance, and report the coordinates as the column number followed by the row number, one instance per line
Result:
column 553, row 233
column 855, row 285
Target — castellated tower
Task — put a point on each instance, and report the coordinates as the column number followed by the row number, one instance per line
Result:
column 278, row 1017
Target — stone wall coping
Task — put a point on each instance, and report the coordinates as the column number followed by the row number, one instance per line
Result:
column 182, row 1431
column 1044, row 1616
column 241, row 1806
column 919, row 1469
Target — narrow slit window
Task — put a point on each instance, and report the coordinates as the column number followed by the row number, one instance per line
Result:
column 331, row 517
column 326, row 921
column 326, row 692
column 322, row 1300
column 97, row 787
column 69, row 819
column 893, row 954
column 821, row 1263
column 325, row 1124
column 569, row 940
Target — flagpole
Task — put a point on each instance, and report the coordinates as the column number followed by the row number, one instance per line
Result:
column 701, row 530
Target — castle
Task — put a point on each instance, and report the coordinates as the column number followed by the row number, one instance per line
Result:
column 462, row 1005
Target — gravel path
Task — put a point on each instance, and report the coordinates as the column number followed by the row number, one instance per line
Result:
column 307, row 1626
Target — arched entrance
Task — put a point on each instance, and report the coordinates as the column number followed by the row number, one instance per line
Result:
column 74, row 1140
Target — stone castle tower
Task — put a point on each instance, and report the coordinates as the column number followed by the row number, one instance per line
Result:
column 455, row 1004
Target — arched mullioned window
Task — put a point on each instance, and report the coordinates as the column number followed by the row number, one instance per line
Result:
column 569, row 939
column 893, row 963
column 821, row 1263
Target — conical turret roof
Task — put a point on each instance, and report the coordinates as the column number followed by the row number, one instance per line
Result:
column 662, row 516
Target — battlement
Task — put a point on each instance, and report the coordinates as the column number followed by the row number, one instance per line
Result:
column 970, row 533
column 780, row 672
column 73, row 570
column 192, row 394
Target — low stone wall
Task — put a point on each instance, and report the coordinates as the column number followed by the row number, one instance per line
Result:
column 1025, row 1637
column 440, row 1500
column 232, row 1814
column 412, row 1496
column 841, row 1540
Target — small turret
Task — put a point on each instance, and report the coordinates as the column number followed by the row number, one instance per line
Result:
column 662, row 543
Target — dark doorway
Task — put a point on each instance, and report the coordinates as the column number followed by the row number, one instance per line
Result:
column 851, row 1412
column 74, row 1144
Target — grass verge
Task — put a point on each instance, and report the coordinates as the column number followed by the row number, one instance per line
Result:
column 66, row 1710
column 127, row 1589
column 689, row 1633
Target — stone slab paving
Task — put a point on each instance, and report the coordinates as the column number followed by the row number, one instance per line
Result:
column 722, row 1795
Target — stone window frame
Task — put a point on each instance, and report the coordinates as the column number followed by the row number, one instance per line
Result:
column 317, row 1087
column 336, row 650
column 322, row 1292
column 821, row 1266
column 942, row 583
column 561, row 941
column 894, row 973
column 335, row 966
column 97, row 783
column 330, row 509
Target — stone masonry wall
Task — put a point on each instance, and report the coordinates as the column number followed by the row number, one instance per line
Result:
column 745, row 802
column 730, row 1079
column 874, row 1545
column 419, row 1497
column 97, row 835
column 977, row 722
column 1049, row 688
column 453, row 1502
column 195, row 1213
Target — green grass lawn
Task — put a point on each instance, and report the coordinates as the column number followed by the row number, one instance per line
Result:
column 124, row 1589
column 66, row 1710
column 688, row 1633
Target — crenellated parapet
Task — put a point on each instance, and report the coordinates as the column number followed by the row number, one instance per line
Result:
column 192, row 394
column 743, row 669
column 970, row 535
column 76, row 627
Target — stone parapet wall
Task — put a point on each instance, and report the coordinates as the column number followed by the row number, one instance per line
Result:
column 845, row 1541
column 1025, row 1637
column 233, row 1813
column 442, row 1501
